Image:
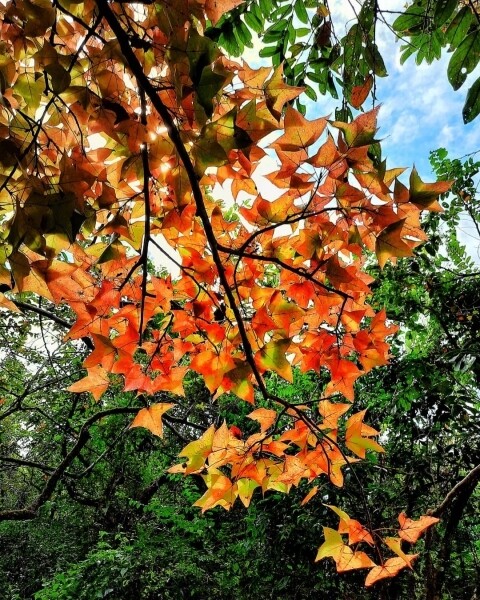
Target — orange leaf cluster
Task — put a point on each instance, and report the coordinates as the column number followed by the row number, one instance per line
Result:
column 122, row 130
column 347, row 559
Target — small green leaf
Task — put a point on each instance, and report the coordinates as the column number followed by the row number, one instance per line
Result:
column 472, row 103
column 310, row 93
column 266, row 6
column 412, row 20
column 367, row 15
column 243, row 34
column 301, row 11
column 268, row 51
column 253, row 22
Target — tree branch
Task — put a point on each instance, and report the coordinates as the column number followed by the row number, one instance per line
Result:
column 471, row 479
column 31, row 512
column 53, row 317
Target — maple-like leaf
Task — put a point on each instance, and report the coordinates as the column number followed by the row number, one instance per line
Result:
column 332, row 546
column 358, row 436
column 272, row 358
column 196, row 453
column 96, row 382
column 390, row 568
column 411, row 530
column 265, row 416
column 425, row 195
column 344, row 375
column 151, row 418
column 361, row 131
column 278, row 93
column 345, row 558
column 395, row 544
column 331, row 412
column 299, row 133
column 391, row 243
column 220, row 491
column 356, row 531
column 245, row 488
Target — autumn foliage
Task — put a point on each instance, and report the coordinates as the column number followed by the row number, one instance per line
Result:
column 127, row 135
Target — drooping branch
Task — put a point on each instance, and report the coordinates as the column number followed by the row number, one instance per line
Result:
column 471, row 479
column 31, row 512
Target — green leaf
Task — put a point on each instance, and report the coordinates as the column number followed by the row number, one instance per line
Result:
column 243, row 34
column 29, row 89
column 472, row 103
column 458, row 28
column 303, row 31
column 375, row 60
column 266, row 6
column 253, row 22
column 464, row 59
column 272, row 358
column 228, row 41
column 367, row 15
column 281, row 12
column 443, row 11
column 268, row 51
column 208, row 87
column 301, row 11
column 275, row 32
column 310, row 93
column 413, row 19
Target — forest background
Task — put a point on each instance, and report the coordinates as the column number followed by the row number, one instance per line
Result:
column 88, row 507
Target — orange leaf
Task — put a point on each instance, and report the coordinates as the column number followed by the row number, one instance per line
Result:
column 350, row 560
column 278, row 93
column 310, row 495
column 345, row 558
column 151, row 418
column 299, row 133
column 411, row 530
column 389, row 569
column 358, row 434
column 390, row 243
column 395, row 544
column 96, row 382
column 331, row 412
column 344, row 375
column 215, row 9
column 425, row 195
column 266, row 417
column 361, row 131
column 360, row 92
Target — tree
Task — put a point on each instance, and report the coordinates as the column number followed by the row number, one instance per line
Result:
column 121, row 123
column 304, row 37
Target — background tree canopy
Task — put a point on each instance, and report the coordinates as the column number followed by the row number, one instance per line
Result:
column 165, row 313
